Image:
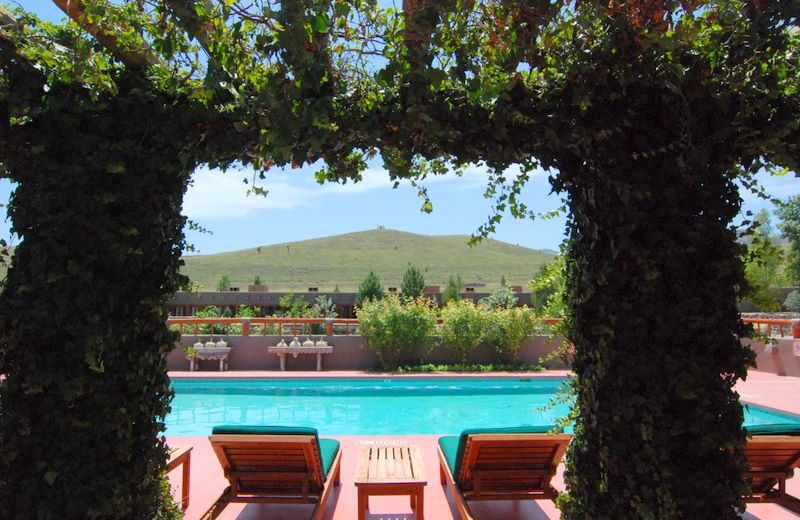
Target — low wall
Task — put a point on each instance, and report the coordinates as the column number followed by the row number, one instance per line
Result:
column 779, row 359
column 349, row 353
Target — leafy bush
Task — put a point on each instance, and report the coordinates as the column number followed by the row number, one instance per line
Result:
column 462, row 327
column 792, row 301
column 547, row 289
column 210, row 312
column 399, row 333
column 507, row 329
column 295, row 307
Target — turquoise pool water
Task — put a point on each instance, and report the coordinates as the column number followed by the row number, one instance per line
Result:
column 377, row 406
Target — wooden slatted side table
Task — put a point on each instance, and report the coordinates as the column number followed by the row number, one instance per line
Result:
column 390, row 470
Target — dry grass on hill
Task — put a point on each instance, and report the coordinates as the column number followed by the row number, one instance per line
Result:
column 345, row 260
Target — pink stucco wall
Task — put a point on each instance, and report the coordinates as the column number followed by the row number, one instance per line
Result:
column 349, row 353
column 779, row 360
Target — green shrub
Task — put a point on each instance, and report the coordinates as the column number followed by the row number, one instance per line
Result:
column 792, row 301
column 507, row 329
column 462, row 327
column 210, row 312
column 547, row 289
column 399, row 333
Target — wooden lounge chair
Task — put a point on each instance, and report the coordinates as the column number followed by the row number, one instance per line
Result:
column 273, row 464
column 773, row 453
column 500, row 464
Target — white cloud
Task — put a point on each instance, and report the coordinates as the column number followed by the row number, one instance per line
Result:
column 214, row 194
column 217, row 195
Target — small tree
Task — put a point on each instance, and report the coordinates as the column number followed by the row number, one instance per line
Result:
column 224, row 284
column 369, row 289
column 763, row 260
column 413, row 283
column 257, row 280
column 453, row 290
column 789, row 212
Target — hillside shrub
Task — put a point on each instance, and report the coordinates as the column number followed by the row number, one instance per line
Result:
column 398, row 332
column 462, row 327
column 507, row 329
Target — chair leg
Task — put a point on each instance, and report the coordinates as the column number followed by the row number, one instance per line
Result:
column 791, row 503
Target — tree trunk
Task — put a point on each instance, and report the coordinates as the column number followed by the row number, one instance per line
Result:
column 82, row 317
column 653, row 274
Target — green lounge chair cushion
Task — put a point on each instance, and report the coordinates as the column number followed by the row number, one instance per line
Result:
column 453, row 445
column 774, row 429
column 327, row 448
column 449, row 447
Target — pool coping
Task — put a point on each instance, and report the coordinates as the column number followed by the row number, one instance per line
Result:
column 339, row 375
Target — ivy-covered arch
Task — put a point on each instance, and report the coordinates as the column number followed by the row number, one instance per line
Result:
column 646, row 111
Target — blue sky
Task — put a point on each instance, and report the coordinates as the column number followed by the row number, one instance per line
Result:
column 298, row 208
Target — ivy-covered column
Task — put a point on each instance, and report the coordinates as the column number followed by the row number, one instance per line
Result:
column 82, row 317
column 653, row 273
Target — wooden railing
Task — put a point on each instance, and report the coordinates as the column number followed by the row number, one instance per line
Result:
column 265, row 324
column 768, row 326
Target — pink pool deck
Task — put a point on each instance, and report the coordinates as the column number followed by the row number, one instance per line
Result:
column 207, row 480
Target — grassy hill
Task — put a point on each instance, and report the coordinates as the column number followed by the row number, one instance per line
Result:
column 345, row 260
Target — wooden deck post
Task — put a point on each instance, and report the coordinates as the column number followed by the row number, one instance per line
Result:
column 329, row 326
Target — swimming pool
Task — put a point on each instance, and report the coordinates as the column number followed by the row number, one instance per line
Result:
column 378, row 406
